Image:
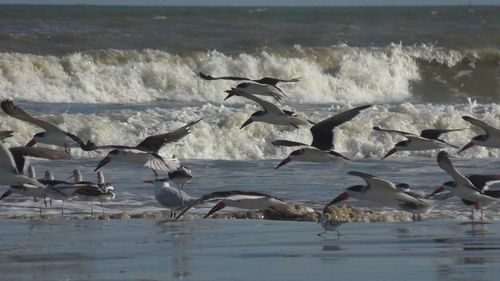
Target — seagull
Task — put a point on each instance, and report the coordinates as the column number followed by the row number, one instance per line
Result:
column 170, row 197
column 490, row 139
column 465, row 188
column 257, row 89
column 53, row 135
column 271, row 113
column 384, row 192
column 10, row 175
column 266, row 80
column 321, row 148
column 243, row 200
column 146, row 152
column 5, row 134
column 428, row 140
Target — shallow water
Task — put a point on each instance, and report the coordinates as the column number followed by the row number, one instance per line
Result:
column 247, row 250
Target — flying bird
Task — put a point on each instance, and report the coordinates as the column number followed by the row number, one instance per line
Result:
column 491, row 138
column 321, row 148
column 428, row 140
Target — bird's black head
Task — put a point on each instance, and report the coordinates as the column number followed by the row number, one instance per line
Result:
column 39, row 135
column 114, row 152
column 297, row 152
column 243, row 85
column 402, row 143
column 258, row 113
column 450, row 183
column 403, row 186
column 356, row 188
column 480, row 138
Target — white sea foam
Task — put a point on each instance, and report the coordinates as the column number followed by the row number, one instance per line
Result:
column 339, row 74
column 218, row 135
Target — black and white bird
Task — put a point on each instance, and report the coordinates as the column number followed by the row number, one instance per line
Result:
column 170, row 197
column 264, row 81
column 491, row 138
column 89, row 191
column 52, row 135
column 22, row 154
column 385, row 193
column 258, row 90
column 180, row 176
column 427, row 140
column 243, row 200
column 321, row 148
column 146, row 152
column 472, row 190
column 271, row 113
column 10, row 175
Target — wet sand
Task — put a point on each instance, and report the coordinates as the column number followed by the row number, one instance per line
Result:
column 146, row 249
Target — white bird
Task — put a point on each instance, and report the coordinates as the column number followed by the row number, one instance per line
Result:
column 244, row 200
column 385, row 193
column 170, row 197
column 53, row 135
column 321, row 148
column 146, row 152
column 428, row 140
column 330, row 224
column 271, row 113
column 464, row 188
column 490, row 139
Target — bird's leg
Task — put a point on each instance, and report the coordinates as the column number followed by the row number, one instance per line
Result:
column 91, row 209
column 338, row 233
column 482, row 215
column 102, row 207
column 319, row 234
column 62, row 208
column 413, row 217
column 156, row 173
column 419, row 217
column 171, row 214
column 472, row 214
column 180, row 194
column 50, row 201
column 41, row 207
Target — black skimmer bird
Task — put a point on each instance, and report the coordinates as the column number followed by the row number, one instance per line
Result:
column 22, row 153
column 146, row 152
column 472, row 190
column 6, row 134
column 258, row 90
column 271, row 113
column 321, row 148
column 89, row 191
column 428, row 140
column 169, row 197
column 242, row 200
column 266, row 80
column 53, row 135
column 10, row 175
column 384, row 192
column 59, row 190
column 490, row 139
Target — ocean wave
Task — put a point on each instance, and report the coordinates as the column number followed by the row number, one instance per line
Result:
column 218, row 135
column 338, row 74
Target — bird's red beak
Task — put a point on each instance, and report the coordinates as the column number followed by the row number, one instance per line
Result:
column 439, row 189
column 217, row 207
column 392, row 151
column 31, row 143
column 341, row 197
column 467, row 146
column 248, row 122
column 284, row 162
column 6, row 193
column 103, row 162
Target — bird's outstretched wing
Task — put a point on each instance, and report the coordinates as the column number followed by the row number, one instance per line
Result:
column 434, row 134
column 154, row 143
column 487, row 128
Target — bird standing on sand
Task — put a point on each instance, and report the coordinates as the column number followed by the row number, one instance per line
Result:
column 170, row 197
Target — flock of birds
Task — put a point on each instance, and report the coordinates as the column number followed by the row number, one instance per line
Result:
column 473, row 190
